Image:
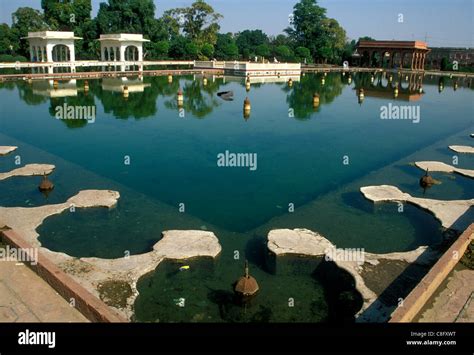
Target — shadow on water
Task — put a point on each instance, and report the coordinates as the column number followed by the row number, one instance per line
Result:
column 358, row 201
column 321, row 292
column 255, row 250
column 409, row 275
column 343, row 299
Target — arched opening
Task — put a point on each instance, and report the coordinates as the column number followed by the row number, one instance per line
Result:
column 112, row 54
column 365, row 59
column 406, row 59
column 131, row 54
column 106, row 54
column 386, row 60
column 61, row 53
column 397, row 60
column 376, row 59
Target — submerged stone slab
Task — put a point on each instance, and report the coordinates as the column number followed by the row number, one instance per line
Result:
column 29, row 170
column 462, row 149
column 92, row 272
column 297, row 241
column 175, row 245
column 442, row 167
column 4, row 150
column 26, row 220
column 447, row 212
column 308, row 243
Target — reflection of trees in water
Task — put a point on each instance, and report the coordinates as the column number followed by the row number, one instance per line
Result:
column 199, row 99
column 139, row 104
column 300, row 97
column 26, row 93
column 72, row 101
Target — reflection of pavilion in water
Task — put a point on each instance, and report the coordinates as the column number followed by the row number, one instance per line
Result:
column 263, row 79
column 133, row 84
column 396, row 87
column 53, row 88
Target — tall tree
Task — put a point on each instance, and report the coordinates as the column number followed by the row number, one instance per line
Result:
column 199, row 22
column 66, row 15
column 335, row 40
column 249, row 41
column 25, row 20
column 9, row 43
column 308, row 28
column 73, row 15
column 129, row 16
column 226, row 48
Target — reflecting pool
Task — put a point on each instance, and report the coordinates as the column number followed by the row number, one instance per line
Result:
column 311, row 160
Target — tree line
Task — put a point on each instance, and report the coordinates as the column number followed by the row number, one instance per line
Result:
column 181, row 33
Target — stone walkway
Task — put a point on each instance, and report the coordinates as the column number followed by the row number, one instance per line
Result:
column 454, row 299
column 25, row 297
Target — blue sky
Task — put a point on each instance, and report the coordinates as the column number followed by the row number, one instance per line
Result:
column 441, row 22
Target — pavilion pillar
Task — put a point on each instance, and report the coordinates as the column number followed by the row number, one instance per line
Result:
column 140, row 57
column 412, row 60
column 49, row 52
column 122, row 57
column 72, row 56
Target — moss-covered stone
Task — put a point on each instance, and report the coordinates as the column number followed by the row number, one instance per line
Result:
column 468, row 257
column 115, row 293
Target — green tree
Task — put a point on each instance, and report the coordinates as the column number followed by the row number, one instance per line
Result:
column 8, row 41
column 127, row 16
column 73, row 15
column 336, row 40
column 25, row 20
column 199, row 22
column 283, row 53
column 66, row 15
column 249, row 40
column 281, row 40
column 207, row 50
column 307, row 27
column 159, row 50
column 311, row 28
column 263, row 50
column 177, row 47
column 302, row 54
column 226, row 48
column 191, row 50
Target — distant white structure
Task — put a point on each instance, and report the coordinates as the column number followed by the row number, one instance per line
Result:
column 122, row 47
column 253, row 69
column 52, row 46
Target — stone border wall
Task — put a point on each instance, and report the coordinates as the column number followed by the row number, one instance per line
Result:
column 90, row 306
column 418, row 297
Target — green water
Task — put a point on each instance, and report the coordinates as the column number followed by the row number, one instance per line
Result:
column 173, row 160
